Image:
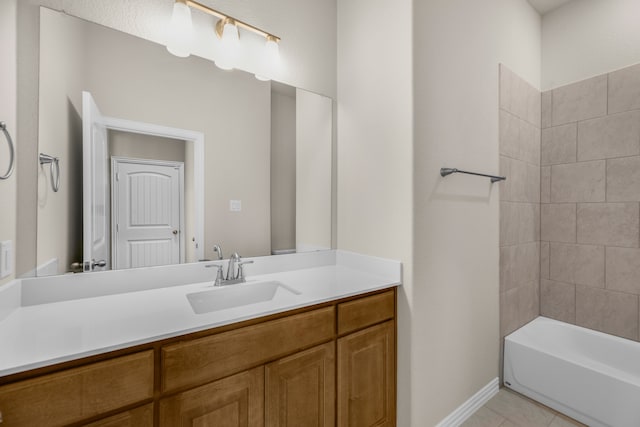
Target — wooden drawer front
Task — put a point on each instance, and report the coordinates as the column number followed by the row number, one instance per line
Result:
column 367, row 377
column 139, row 417
column 78, row 393
column 300, row 389
column 206, row 359
column 354, row 315
column 236, row 401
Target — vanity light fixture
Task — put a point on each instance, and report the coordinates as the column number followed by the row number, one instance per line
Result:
column 181, row 35
column 270, row 60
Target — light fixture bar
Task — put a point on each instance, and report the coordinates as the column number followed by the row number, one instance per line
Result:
column 220, row 15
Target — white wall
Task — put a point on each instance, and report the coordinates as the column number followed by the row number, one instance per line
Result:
column 8, row 83
column 586, row 38
column 453, row 329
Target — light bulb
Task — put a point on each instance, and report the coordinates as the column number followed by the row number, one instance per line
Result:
column 180, row 33
column 270, row 59
column 229, row 46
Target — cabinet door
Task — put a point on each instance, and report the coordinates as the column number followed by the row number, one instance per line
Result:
column 139, row 417
column 366, row 377
column 236, row 401
column 300, row 389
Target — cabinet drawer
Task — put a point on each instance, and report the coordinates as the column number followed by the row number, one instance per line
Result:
column 236, row 401
column 138, row 417
column 78, row 393
column 358, row 314
column 206, row 359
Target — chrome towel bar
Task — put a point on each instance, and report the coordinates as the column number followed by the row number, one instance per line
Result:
column 449, row 171
column 12, row 151
column 55, row 177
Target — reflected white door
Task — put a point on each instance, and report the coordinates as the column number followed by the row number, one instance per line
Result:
column 147, row 214
column 95, row 188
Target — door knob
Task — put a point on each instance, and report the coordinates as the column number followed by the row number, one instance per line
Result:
column 101, row 263
column 175, row 232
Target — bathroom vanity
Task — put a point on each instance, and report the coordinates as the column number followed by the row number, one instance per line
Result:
column 325, row 357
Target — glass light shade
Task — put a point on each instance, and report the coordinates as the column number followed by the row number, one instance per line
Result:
column 270, row 60
column 180, row 33
column 229, row 47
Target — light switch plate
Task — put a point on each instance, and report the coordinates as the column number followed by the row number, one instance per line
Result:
column 6, row 258
column 235, row 205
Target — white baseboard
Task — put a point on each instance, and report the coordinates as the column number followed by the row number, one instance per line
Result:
column 464, row 411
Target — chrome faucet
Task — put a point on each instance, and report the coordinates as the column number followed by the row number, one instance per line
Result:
column 235, row 271
column 217, row 249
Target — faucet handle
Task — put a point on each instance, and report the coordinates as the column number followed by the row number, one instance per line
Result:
column 241, row 265
column 219, row 273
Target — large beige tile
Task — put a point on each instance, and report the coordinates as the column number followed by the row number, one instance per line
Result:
column 607, row 311
column 519, row 410
column 519, row 97
column 579, row 101
column 611, row 136
column 609, row 224
column 522, row 183
column 519, row 306
column 544, row 260
column 578, row 264
column 558, row 144
column 519, row 223
column 623, row 269
column 578, row 182
column 624, row 89
column 558, row 300
column 484, row 417
column 558, row 222
column 519, row 139
column 545, row 107
column 519, row 264
column 509, row 314
column 563, row 421
column 545, row 184
column 623, row 179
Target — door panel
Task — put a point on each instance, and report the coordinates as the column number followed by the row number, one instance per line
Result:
column 147, row 200
column 95, row 190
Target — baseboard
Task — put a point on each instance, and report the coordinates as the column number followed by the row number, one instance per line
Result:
column 464, row 411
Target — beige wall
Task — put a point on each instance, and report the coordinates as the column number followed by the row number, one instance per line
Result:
column 375, row 149
column 283, row 170
column 590, row 227
column 59, row 216
column 454, row 300
column 313, row 171
column 8, row 83
column 586, row 38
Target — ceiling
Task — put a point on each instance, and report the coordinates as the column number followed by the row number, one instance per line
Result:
column 544, row 6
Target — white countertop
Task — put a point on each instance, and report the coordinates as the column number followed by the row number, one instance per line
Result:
column 36, row 335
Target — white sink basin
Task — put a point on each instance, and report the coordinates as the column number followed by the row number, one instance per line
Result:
column 230, row 296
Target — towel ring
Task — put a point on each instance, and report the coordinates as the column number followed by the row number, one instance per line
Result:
column 55, row 178
column 12, row 154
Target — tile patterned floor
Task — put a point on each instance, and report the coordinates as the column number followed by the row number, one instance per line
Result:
column 510, row 409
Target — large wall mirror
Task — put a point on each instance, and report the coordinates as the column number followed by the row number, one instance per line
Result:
column 178, row 156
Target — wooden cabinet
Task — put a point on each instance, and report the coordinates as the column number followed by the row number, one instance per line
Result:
column 236, row 401
column 80, row 393
column 366, row 377
column 311, row 367
column 300, row 389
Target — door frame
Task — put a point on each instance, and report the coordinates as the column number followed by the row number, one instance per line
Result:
column 118, row 160
column 197, row 138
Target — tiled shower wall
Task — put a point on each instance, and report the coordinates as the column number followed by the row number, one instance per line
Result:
column 590, row 203
column 519, row 202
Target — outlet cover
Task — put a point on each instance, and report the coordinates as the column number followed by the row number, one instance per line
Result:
column 6, row 258
column 235, row 205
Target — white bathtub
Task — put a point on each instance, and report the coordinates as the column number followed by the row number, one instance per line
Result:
column 587, row 375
